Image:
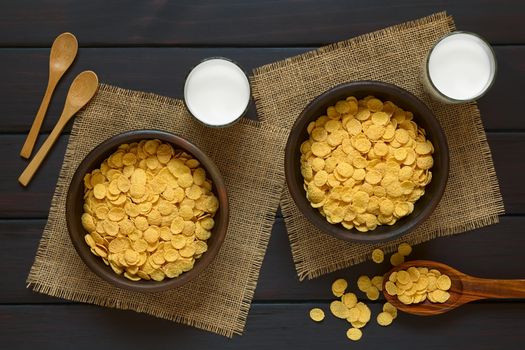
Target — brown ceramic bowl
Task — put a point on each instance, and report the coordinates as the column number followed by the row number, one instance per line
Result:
column 75, row 201
column 422, row 116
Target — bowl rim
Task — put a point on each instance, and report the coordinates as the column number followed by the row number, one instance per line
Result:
column 112, row 143
column 337, row 230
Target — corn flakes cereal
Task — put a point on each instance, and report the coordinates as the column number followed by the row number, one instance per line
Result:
column 317, row 314
column 440, row 296
column 372, row 293
column 443, row 282
column 339, row 286
column 384, row 319
column 354, row 334
column 404, row 249
column 374, row 104
column 363, row 283
column 416, row 284
column 391, row 288
column 349, row 299
column 397, row 259
column 353, row 314
column 403, row 276
column 148, row 211
column 378, row 256
column 358, row 324
column 377, row 281
column 339, row 309
column 366, row 146
column 391, row 309
column 413, row 273
column 357, row 313
column 99, row 191
column 364, row 313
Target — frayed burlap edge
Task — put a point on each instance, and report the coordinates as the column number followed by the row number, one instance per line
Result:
column 274, row 194
column 303, row 271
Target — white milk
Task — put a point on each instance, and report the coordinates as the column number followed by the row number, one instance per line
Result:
column 461, row 66
column 217, row 92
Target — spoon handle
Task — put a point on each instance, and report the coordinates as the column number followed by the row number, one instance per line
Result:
column 37, row 123
column 35, row 163
column 480, row 288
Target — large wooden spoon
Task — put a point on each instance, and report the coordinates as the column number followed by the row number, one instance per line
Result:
column 80, row 93
column 63, row 53
column 464, row 289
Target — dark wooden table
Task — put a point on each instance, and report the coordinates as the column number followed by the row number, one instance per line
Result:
column 150, row 46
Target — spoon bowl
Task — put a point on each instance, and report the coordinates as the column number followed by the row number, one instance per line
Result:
column 464, row 289
column 81, row 91
column 63, row 53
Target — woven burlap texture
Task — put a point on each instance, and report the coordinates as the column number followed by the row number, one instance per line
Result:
column 250, row 157
column 395, row 55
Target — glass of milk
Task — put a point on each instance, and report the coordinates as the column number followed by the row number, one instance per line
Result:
column 217, row 92
column 460, row 68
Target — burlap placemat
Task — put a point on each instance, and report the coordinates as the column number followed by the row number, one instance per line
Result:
column 250, row 157
column 282, row 89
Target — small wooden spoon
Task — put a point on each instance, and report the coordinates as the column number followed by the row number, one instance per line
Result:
column 63, row 53
column 80, row 93
column 464, row 289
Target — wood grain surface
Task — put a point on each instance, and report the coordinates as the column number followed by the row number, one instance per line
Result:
column 269, row 326
column 240, row 22
column 150, row 46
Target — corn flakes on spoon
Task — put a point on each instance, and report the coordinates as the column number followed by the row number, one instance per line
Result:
column 426, row 288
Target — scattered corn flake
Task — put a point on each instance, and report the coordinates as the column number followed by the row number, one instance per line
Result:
column 372, row 293
column 339, row 309
column 384, row 319
column 404, row 249
column 378, row 256
column 377, row 281
column 363, row 283
column 397, row 259
column 349, row 299
column 339, row 286
column 391, row 309
column 354, row 334
column 317, row 314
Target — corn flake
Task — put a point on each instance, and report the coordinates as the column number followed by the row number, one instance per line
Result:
column 317, row 314
column 349, row 299
column 404, row 249
column 339, row 309
column 354, row 334
column 384, row 319
column 339, row 286
column 378, row 256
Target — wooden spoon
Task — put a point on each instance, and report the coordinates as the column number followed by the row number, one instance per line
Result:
column 63, row 53
column 464, row 289
column 80, row 93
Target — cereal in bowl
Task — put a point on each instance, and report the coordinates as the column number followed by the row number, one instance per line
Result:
column 148, row 211
column 365, row 163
